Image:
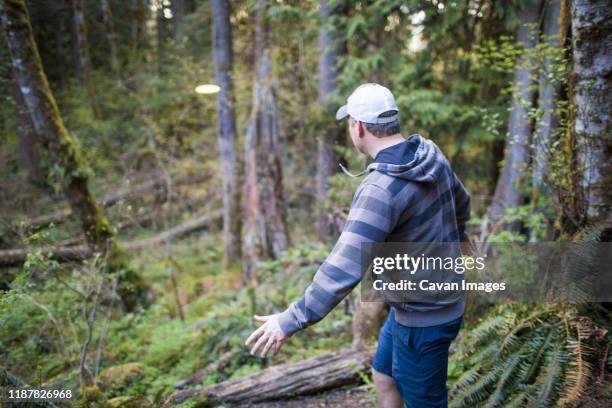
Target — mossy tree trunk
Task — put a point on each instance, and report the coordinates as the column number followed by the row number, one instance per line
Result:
column 48, row 124
column 226, row 130
column 592, row 106
column 265, row 232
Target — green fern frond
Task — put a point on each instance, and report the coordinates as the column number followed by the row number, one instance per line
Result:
column 484, row 353
column 488, row 327
column 524, row 324
column 519, row 399
column 592, row 232
column 505, row 381
column 478, row 359
column 476, row 392
column 548, row 381
column 532, row 364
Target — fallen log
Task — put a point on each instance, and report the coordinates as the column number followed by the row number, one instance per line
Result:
column 142, row 220
column 155, row 183
column 187, row 227
column 285, row 380
column 10, row 257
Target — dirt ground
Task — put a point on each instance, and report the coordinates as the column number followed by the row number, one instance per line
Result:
column 339, row 398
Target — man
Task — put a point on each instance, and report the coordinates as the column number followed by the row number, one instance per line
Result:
column 410, row 195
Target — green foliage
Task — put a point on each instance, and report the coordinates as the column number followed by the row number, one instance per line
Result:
column 166, row 348
column 522, row 353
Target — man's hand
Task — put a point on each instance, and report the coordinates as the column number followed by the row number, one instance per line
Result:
column 269, row 333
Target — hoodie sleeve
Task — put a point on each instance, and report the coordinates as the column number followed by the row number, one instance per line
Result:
column 370, row 219
column 462, row 207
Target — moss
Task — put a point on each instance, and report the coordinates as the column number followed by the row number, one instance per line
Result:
column 121, row 375
column 129, row 402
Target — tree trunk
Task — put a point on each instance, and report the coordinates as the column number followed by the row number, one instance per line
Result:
column 27, row 136
column 367, row 321
column 265, row 231
column 81, row 54
column 507, row 192
column 48, row 123
column 330, row 47
column 226, row 130
column 591, row 44
column 139, row 9
column 178, row 15
column 110, row 35
column 547, row 99
column 160, row 22
column 59, row 32
column 285, row 381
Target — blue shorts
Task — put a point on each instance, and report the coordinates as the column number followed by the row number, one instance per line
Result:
column 417, row 359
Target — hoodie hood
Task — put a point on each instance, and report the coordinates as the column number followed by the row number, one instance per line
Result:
column 426, row 166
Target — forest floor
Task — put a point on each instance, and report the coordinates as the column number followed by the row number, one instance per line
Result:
column 352, row 397
column 598, row 394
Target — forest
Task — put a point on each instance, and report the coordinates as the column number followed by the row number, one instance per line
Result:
column 169, row 169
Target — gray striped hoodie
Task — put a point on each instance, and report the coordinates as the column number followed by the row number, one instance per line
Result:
column 419, row 201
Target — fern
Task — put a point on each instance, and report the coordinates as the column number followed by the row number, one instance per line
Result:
column 519, row 399
column 521, row 356
column 478, row 391
column 548, row 381
column 489, row 327
column 579, row 372
column 531, row 365
column 472, row 375
column 506, row 380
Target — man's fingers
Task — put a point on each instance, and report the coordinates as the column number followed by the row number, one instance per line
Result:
column 261, row 319
column 254, row 335
column 264, row 337
column 270, row 343
column 277, row 346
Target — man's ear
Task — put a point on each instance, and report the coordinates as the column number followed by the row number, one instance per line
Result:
column 360, row 129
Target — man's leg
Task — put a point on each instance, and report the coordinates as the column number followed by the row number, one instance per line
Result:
column 420, row 363
column 386, row 390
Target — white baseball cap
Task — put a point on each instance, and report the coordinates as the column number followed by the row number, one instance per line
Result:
column 367, row 103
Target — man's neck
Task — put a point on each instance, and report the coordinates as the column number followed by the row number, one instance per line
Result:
column 385, row 142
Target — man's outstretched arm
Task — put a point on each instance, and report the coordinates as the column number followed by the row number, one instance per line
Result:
column 370, row 219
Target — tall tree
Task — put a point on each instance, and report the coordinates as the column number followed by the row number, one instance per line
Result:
column 110, row 35
column 59, row 32
column 226, row 130
column 49, row 126
column 138, row 34
column 265, row 232
column 591, row 85
column 81, row 53
column 178, row 15
column 27, row 135
column 548, row 94
column 330, row 46
column 160, row 25
column 507, row 192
